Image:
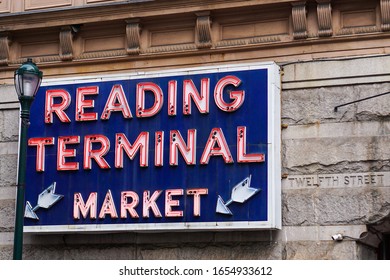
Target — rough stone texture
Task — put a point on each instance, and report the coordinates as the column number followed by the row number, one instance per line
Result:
column 342, row 129
column 9, row 124
column 330, row 250
column 358, row 146
column 7, row 214
column 182, row 251
column 324, row 153
column 8, row 167
column 205, row 237
column 90, row 252
column 362, row 206
column 339, row 167
column 335, row 206
column 43, row 252
column 101, row 252
column 298, row 208
column 316, row 105
column 6, row 252
column 340, row 149
column 319, row 73
column 214, row 251
column 8, row 192
column 291, row 250
column 331, row 148
column 318, row 232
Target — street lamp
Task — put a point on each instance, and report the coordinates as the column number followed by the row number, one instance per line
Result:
column 27, row 80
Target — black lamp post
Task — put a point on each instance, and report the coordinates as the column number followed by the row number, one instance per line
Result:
column 27, row 81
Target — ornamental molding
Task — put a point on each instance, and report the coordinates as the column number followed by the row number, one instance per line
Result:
column 66, row 43
column 203, row 30
column 102, row 54
column 41, row 18
column 171, row 48
column 299, row 20
column 248, row 42
column 324, row 16
column 252, row 29
column 4, row 49
column 133, row 37
column 385, row 15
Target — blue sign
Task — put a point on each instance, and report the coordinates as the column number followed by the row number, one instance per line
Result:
column 187, row 149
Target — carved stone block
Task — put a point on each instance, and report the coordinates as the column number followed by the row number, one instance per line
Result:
column 324, row 15
column 203, row 30
column 133, row 37
column 385, row 14
column 66, row 43
column 4, row 49
column 299, row 20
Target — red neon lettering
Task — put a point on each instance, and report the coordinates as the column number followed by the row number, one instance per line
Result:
column 57, row 108
column 116, row 102
column 159, row 148
column 142, row 88
column 237, row 96
column 241, row 148
column 108, row 207
column 169, row 203
column 172, row 98
column 97, row 155
column 197, row 193
column 216, row 146
column 63, row 152
column 81, row 103
column 84, row 208
column 129, row 207
column 201, row 100
column 123, row 144
column 40, row 143
column 187, row 151
column 150, row 203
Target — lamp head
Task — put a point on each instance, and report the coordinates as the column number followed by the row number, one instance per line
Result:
column 27, row 79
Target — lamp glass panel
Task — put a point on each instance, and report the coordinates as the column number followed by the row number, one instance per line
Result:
column 18, row 84
column 30, row 84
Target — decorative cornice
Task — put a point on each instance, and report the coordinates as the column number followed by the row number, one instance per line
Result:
column 385, row 14
column 38, row 59
column 203, row 30
column 324, row 15
column 358, row 30
column 264, row 40
column 200, row 37
column 101, row 54
column 118, row 11
column 133, row 37
column 4, row 49
column 171, row 48
column 66, row 43
column 299, row 20
column 251, row 41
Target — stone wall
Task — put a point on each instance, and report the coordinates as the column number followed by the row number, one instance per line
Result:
column 335, row 163
column 336, row 178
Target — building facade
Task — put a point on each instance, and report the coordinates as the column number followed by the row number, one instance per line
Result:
column 335, row 161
